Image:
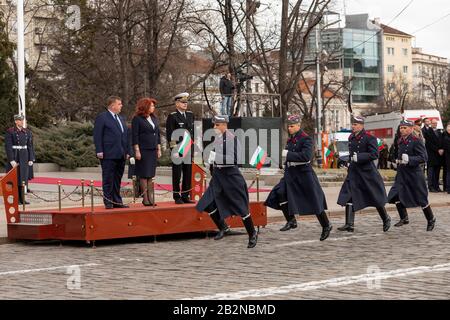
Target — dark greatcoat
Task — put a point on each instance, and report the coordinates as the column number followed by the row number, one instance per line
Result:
column 410, row 187
column 299, row 186
column 16, row 137
column 227, row 190
column 363, row 186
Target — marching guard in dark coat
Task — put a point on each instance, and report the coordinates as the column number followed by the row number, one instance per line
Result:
column 299, row 191
column 410, row 188
column 20, row 152
column 363, row 186
column 227, row 192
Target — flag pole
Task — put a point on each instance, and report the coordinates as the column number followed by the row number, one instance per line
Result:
column 21, row 60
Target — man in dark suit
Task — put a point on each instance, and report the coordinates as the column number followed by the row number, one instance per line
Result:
column 433, row 146
column 184, row 120
column 112, row 148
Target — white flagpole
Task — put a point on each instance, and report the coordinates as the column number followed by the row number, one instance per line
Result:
column 21, row 59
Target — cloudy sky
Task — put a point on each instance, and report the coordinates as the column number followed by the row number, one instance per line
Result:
column 434, row 39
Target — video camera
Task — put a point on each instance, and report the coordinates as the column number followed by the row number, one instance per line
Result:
column 241, row 76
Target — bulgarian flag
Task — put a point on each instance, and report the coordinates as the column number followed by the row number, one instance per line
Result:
column 328, row 153
column 185, row 144
column 258, row 158
column 380, row 144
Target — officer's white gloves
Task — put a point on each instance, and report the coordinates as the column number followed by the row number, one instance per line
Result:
column 355, row 158
column 132, row 161
column 13, row 163
column 284, row 153
column 30, row 163
column 212, row 157
column 405, row 158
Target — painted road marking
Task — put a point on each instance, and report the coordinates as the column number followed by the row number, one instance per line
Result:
column 333, row 282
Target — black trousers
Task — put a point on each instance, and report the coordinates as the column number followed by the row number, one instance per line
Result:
column 112, row 172
column 179, row 170
column 433, row 177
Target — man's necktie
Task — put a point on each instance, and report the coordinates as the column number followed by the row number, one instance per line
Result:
column 118, row 120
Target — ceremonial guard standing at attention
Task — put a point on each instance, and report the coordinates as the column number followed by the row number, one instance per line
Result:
column 410, row 188
column 363, row 186
column 181, row 119
column 227, row 192
column 20, row 152
column 299, row 191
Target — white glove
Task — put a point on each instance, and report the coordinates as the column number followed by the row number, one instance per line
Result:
column 284, row 153
column 212, row 157
column 405, row 158
column 30, row 163
column 132, row 161
column 13, row 163
column 355, row 158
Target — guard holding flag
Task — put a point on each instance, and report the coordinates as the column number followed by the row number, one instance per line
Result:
column 410, row 188
column 227, row 192
column 299, row 191
column 181, row 119
column 363, row 186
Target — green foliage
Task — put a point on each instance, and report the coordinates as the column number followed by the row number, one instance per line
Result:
column 69, row 145
column 8, row 90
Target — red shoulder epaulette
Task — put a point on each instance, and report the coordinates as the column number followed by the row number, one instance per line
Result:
column 414, row 138
column 10, row 130
column 303, row 134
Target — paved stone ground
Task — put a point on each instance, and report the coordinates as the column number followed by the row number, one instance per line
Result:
column 291, row 265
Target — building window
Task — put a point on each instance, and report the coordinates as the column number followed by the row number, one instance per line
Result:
column 405, row 51
column 390, row 51
column 391, row 68
column 404, row 40
column 256, row 87
column 390, row 38
column 405, row 69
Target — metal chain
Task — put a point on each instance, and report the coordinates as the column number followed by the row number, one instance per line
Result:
column 41, row 198
column 170, row 191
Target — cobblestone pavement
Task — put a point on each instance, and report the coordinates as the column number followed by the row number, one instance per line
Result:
column 404, row 263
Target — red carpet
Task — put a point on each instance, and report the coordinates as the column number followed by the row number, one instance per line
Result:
column 98, row 184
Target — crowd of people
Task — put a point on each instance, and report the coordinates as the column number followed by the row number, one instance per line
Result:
column 299, row 191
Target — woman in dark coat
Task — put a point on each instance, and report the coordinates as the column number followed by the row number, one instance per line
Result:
column 146, row 142
column 446, row 147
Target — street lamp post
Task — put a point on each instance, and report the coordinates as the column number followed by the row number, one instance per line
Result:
column 319, row 100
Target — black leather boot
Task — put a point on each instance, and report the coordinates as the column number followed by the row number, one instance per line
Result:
column 349, row 219
column 430, row 218
column 385, row 217
column 326, row 225
column 403, row 215
column 291, row 221
column 252, row 233
column 221, row 225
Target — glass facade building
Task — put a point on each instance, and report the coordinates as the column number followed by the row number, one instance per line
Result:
column 363, row 62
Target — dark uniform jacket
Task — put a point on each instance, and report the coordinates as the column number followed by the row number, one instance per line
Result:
column 410, row 187
column 445, row 144
column 363, row 186
column 227, row 189
column 19, row 148
column 432, row 145
column 175, row 121
column 299, row 186
column 109, row 138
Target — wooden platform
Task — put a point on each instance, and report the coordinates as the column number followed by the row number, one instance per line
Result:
column 98, row 223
